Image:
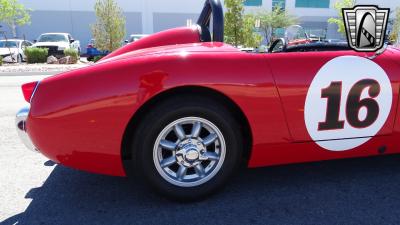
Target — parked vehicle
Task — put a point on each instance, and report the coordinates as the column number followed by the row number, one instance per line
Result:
column 12, row 50
column 183, row 110
column 135, row 37
column 56, row 43
column 92, row 51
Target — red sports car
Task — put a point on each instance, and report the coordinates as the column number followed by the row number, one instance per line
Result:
column 183, row 110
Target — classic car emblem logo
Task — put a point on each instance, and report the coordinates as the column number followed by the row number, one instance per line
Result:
column 366, row 27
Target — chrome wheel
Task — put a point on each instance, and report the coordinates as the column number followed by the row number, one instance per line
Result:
column 189, row 152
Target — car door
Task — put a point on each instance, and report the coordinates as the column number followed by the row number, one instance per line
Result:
column 336, row 95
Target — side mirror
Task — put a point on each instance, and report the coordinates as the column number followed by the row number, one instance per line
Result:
column 34, row 41
column 71, row 41
column 279, row 45
column 126, row 41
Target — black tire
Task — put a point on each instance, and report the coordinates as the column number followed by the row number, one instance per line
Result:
column 163, row 114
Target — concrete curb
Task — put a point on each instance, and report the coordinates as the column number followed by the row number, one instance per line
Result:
column 13, row 74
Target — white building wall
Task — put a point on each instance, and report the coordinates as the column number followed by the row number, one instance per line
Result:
column 147, row 8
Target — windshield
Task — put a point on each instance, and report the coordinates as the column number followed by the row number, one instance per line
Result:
column 8, row 44
column 295, row 32
column 52, row 38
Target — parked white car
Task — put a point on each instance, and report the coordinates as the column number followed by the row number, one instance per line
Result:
column 12, row 50
column 135, row 37
column 57, row 43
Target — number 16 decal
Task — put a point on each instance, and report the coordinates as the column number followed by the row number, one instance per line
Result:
column 348, row 102
column 353, row 105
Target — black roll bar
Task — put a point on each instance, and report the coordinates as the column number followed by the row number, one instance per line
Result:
column 213, row 8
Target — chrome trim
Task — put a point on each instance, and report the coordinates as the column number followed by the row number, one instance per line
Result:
column 20, row 123
column 34, row 91
column 379, row 52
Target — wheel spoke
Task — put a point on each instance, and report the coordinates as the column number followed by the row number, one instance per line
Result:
column 210, row 139
column 179, row 132
column 181, row 172
column 189, row 152
column 196, row 130
column 169, row 145
column 168, row 162
column 212, row 156
column 200, row 170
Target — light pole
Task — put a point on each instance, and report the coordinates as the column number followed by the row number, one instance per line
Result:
column 189, row 22
column 257, row 24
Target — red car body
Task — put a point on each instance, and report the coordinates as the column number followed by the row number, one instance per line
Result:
column 80, row 118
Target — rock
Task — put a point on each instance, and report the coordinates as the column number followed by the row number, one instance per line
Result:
column 73, row 60
column 65, row 60
column 52, row 60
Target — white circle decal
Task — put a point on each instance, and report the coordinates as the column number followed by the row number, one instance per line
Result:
column 348, row 102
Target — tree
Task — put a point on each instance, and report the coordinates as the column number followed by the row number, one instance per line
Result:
column 109, row 29
column 339, row 20
column 394, row 34
column 14, row 14
column 239, row 28
column 270, row 21
column 251, row 39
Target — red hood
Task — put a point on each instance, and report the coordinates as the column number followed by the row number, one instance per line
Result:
column 175, row 49
column 180, row 35
column 182, row 49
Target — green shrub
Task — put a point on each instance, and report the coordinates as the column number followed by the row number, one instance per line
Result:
column 73, row 53
column 36, row 55
column 1, row 61
column 97, row 58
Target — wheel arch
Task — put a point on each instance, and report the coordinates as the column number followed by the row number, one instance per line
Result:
column 206, row 92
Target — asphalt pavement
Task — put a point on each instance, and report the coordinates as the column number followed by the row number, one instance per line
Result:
column 34, row 191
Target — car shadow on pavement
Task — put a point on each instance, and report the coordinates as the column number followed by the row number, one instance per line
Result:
column 353, row 191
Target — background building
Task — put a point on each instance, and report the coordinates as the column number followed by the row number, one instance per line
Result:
column 314, row 14
column 149, row 16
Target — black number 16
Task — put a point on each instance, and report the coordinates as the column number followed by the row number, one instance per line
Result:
column 333, row 94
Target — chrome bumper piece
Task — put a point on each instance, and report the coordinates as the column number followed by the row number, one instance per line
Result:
column 20, row 122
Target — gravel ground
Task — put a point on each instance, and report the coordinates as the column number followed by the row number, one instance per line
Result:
column 35, row 192
column 38, row 68
column 20, row 170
